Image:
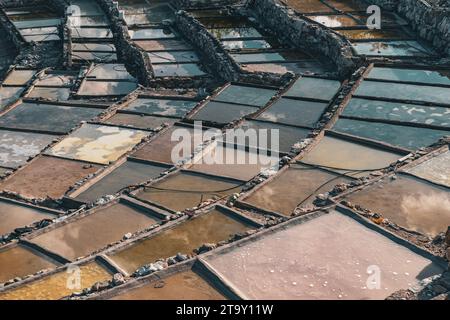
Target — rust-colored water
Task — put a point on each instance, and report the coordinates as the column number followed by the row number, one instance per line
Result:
column 209, row 228
column 185, row 285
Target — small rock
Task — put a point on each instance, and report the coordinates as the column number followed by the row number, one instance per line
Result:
column 100, row 286
column 160, row 284
column 181, row 257
column 205, row 248
column 118, row 279
column 439, row 289
column 127, row 236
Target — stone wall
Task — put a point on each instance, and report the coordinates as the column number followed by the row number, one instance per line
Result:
column 447, row 243
column 432, row 23
column 290, row 26
column 33, row 55
column 136, row 60
column 203, row 3
column 20, row 3
column 214, row 55
column 10, row 31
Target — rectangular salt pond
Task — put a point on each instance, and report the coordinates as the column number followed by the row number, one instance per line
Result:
column 9, row 95
column 234, row 162
column 407, row 48
column 58, row 79
column 223, row 113
column 94, row 56
column 106, row 88
column 160, row 148
column 408, row 202
column 299, row 67
column 288, row 135
column 334, row 21
column 98, row 144
column 212, row 227
column 257, row 57
column 252, row 96
column 294, row 112
column 91, row 33
column 39, row 31
column 184, row 285
column 403, row 91
column 151, row 34
column 246, row 44
column 129, row 173
column 411, row 75
column 42, row 37
column 16, row 147
column 162, row 45
column 56, row 94
column 109, row 71
column 99, row 47
column 407, row 137
column 47, row 117
column 297, row 185
column 19, row 77
column 163, row 107
column 383, row 110
column 54, row 286
column 52, row 177
column 325, row 258
column 14, row 215
column 436, row 169
column 36, row 23
column 20, row 261
column 365, row 34
column 90, row 233
column 140, row 121
column 314, row 88
column 173, row 56
column 88, row 8
column 94, row 21
column 133, row 6
column 339, row 153
column 178, row 70
column 152, row 15
column 186, row 189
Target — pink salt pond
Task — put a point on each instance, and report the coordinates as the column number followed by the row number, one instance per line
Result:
column 328, row 257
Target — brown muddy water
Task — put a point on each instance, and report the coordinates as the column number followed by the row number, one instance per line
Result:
column 340, row 153
column 185, row 190
column 212, row 227
column 293, row 186
column 52, row 177
column 83, row 236
column 15, row 216
column 186, row 285
column 19, row 261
